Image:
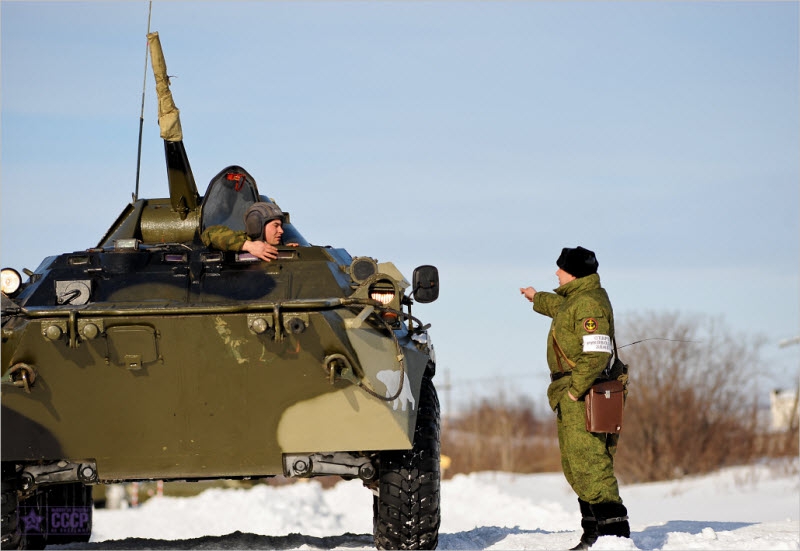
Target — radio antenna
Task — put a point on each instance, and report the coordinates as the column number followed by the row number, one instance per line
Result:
column 656, row 339
column 141, row 115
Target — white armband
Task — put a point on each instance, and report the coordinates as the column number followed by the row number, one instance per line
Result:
column 597, row 343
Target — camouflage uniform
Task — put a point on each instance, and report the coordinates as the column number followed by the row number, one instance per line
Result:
column 257, row 215
column 583, row 326
column 224, row 238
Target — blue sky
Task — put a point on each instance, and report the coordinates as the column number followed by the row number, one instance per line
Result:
column 481, row 137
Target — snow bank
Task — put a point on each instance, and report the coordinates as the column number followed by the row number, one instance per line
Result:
column 739, row 508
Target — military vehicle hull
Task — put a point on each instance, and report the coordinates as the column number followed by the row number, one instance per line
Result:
column 143, row 361
column 175, row 395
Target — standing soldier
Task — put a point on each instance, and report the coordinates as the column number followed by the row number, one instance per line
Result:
column 578, row 350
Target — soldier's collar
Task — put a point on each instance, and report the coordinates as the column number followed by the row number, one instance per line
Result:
column 591, row 281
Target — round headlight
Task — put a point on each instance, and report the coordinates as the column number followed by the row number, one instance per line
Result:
column 11, row 280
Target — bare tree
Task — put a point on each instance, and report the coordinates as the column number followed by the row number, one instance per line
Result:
column 692, row 408
column 499, row 434
column 693, row 397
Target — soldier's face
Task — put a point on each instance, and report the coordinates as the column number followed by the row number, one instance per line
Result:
column 564, row 277
column 273, row 231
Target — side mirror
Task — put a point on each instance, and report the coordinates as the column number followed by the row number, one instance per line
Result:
column 426, row 284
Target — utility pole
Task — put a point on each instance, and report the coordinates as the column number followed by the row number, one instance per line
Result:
column 447, row 390
column 793, row 417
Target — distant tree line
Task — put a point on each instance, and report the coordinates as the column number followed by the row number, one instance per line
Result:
column 692, row 408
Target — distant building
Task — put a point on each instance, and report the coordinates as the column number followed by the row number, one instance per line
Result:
column 783, row 409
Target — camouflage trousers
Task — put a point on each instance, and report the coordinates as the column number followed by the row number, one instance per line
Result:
column 587, row 458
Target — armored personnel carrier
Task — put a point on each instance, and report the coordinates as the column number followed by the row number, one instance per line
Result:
column 153, row 357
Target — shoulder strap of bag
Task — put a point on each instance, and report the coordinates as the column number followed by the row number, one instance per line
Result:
column 559, row 353
column 612, row 362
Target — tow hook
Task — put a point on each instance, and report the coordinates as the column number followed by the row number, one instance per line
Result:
column 58, row 472
column 339, row 366
column 21, row 375
column 337, row 463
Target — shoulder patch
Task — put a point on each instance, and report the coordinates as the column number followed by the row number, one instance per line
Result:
column 590, row 325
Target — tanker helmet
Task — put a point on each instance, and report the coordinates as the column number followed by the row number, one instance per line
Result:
column 258, row 215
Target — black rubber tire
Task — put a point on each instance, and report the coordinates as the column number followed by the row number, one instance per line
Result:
column 406, row 511
column 74, row 494
column 11, row 537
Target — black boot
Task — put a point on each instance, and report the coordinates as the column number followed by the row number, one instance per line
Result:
column 612, row 519
column 589, row 525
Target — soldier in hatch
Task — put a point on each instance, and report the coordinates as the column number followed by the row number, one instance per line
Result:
column 263, row 224
column 580, row 308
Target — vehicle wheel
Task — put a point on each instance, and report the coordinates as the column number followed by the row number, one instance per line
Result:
column 35, row 536
column 11, row 535
column 78, row 496
column 75, row 496
column 406, row 511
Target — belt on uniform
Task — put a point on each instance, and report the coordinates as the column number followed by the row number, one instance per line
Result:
column 556, row 376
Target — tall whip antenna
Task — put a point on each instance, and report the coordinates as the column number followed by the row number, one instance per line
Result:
column 141, row 115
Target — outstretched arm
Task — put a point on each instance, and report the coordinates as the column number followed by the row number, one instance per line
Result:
column 528, row 292
column 225, row 239
column 544, row 303
column 261, row 250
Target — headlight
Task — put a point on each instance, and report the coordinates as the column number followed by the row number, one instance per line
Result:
column 383, row 298
column 381, row 293
column 385, row 292
column 11, row 280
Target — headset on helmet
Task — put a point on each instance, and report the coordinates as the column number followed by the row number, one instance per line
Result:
column 258, row 215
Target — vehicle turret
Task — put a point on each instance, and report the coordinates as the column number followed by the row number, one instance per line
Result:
column 159, row 220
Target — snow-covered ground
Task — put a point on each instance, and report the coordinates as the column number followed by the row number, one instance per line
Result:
column 753, row 507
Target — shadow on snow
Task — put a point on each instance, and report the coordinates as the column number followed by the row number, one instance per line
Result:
column 655, row 537
column 652, row 537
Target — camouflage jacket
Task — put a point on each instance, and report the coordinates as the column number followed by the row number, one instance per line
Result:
column 583, row 325
column 223, row 238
